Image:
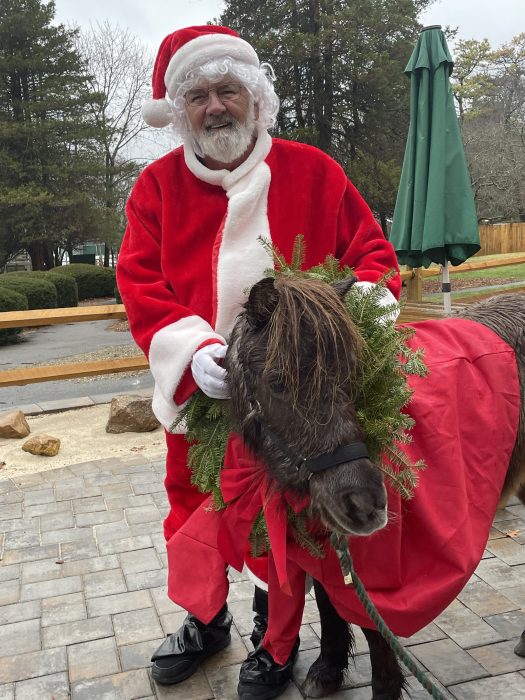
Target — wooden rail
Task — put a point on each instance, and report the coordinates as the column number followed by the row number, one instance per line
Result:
column 51, row 373
column 413, row 310
column 414, row 277
column 51, row 317
column 486, row 264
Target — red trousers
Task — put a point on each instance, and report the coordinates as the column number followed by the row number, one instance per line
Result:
column 183, row 497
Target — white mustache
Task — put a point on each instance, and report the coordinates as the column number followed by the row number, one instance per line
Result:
column 211, row 121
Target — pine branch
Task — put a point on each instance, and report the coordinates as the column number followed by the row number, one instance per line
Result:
column 298, row 523
column 259, row 538
column 405, row 476
column 381, row 394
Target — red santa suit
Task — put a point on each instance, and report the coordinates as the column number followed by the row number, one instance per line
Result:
column 192, row 249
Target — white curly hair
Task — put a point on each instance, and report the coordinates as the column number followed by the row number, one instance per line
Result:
column 258, row 82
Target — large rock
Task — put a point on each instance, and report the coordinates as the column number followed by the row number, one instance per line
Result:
column 13, row 425
column 131, row 414
column 44, row 445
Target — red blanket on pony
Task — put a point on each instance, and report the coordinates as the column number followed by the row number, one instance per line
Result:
column 466, row 414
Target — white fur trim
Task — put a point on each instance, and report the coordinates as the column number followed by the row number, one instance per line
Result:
column 308, row 582
column 202, row 49
column 243, row 259
column 387, row 299
column 170, row 354
column 255, row 579
column 157, row 113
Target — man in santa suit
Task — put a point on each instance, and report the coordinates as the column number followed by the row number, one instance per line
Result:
column 192, row 248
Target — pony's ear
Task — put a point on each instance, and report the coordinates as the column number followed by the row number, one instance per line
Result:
column 261, row 302
column 342, row 287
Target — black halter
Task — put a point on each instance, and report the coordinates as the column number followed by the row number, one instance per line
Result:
column 344, row 453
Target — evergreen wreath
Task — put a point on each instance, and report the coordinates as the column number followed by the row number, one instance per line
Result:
column 382, row 392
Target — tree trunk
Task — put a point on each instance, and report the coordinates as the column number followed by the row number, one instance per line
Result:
column 327, row 87
column 57, row 256
column 383, row 222
column 36, row 253
column 297, row 74
column 316, row 67
column 47, row 253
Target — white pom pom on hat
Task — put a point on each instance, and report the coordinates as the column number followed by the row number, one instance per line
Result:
column 181, row 52
column 157, row 113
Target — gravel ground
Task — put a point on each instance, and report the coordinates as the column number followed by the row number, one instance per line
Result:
column 433, row 285
column 108, row 353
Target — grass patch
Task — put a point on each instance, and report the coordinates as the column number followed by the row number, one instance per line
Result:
column 474, row 293
column 504, row 272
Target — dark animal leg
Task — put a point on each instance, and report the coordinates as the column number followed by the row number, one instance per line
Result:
column 519, row 649
column 388, row 681
column 337, row 642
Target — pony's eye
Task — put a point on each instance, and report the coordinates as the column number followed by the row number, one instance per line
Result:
column 275, row 383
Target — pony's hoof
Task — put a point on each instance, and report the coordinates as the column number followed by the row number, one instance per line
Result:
column 322, row 679
column 519, row 649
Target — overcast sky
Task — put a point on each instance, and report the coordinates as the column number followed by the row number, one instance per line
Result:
column 151, row 20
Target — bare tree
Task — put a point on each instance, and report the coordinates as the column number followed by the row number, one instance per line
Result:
column 490, row 90
column 120, row 68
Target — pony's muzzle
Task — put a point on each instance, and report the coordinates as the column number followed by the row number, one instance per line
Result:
column 365, row 510
column 351, row 500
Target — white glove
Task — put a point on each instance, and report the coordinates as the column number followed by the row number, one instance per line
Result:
column 387, row 299
column 208, row 373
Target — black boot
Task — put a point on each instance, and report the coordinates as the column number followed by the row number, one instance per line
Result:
column 260, row 619
column 181, row 653
column 261, row 678
column 519, row 649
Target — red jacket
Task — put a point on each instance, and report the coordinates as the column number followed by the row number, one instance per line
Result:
column 191, row 248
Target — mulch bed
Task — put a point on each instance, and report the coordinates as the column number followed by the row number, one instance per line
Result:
column 433, row 285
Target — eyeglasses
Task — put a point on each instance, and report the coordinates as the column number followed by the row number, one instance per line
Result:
column 229, row 92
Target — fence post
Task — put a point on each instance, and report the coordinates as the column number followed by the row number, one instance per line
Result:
column 415, row 285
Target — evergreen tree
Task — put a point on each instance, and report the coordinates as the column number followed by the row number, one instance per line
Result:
column 339, row 66
column 48, row 145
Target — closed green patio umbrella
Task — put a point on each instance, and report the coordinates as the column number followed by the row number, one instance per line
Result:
column 435, row 217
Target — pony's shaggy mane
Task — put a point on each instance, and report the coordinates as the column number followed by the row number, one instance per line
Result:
column 305, row 303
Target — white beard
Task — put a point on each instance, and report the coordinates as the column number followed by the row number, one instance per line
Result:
column 228, row 143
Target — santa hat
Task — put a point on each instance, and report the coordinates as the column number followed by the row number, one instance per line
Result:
column 183, row 51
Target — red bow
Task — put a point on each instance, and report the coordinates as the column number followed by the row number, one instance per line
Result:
column 247, row 488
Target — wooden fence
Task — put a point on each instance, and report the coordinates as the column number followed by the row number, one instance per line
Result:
column 414, row 278
column 47, row 317
column 413, row 310
column 50, row 317
column 497, row 239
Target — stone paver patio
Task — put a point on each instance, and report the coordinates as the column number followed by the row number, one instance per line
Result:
column 83, row 599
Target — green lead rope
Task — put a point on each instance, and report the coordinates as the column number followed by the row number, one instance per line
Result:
column 408, row 659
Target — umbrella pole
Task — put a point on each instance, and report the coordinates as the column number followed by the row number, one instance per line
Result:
column 445, row 288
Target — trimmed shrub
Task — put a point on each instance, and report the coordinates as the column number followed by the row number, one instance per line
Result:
column 92, row 281
column 118, row 298
column 39, row 292
column 10, row 301
column 67, row 290
column 65, row 285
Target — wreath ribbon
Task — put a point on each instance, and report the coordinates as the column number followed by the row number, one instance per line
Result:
column 247, row 489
